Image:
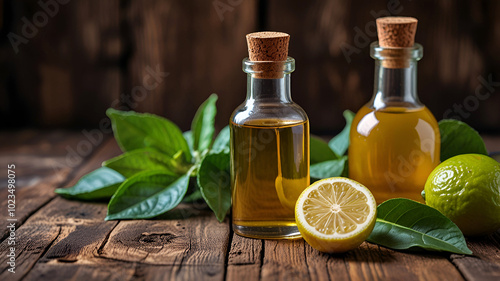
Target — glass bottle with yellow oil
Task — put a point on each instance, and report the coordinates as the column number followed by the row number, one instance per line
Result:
column 394, row 140
column 269, row 143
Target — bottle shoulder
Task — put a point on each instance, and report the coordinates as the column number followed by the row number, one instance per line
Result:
column 391, row 112
column 249, row 112
column 402, row 120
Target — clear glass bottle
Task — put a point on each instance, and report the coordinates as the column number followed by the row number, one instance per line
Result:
column 394, row 140
column 269, row 154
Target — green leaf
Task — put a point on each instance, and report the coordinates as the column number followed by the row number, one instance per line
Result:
column 340, row 142
column 193, row 193
column 133, row 162
column 459, row 138
column 99, row 184
column 404, row 224
column 345, row 172
column 134, row 130
column 196, row 195
column 147, row 195
column 328, row 169
column 203, row 124
column 188, row 136
column 320, row 151
column 215, row 183
column 221, row 143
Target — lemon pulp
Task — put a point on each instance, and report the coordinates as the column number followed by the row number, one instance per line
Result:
column 336, row 214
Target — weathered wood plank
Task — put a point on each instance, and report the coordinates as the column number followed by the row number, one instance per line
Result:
column 189, row 244
column 72, row 62
column 42, row 162
column 243, row 272
column 12, row 139
column 284, row 260
column 190, row 272
column 82, row 232
column 195, row 49
column 31, row 242
column 485, row 262
column 80, row 240
column 324, row 266
column 89, row 47
column 105, row 271
column 78, row 227
column 245, row 250
column 199, row 240
column 245, row 258
column 371, row 262
column 175, row 272
column 155, row 242
column 40, row 154
column 330, row 41
column 187, row 248
column 154, row 272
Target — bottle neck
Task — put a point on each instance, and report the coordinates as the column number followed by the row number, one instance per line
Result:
column 268, row 81
column 395, row 76
column 269, row 90
column 395, row 86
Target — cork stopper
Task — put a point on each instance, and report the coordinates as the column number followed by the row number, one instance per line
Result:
column 397, row 33
column 270, row 48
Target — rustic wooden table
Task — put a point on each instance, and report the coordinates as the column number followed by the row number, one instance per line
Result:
column 59, row 239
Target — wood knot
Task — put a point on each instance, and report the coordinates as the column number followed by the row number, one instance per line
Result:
column 154, row 239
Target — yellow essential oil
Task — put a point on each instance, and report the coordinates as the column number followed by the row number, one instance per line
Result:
column 269, row 143
column 394, row 139
column 393, row 151
column 270, row 171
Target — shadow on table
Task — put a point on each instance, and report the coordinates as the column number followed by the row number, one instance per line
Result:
column 369, row 252
column 187, row 210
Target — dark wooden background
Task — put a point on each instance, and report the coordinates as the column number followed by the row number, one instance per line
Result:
column 93, row 54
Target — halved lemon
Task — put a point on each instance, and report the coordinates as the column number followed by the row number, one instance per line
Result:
column 335, row 215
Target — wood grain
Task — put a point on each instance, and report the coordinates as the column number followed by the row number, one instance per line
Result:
column 73, row 225
column 200, row 51
column 373, row 262
column 323, row 266
column 104, row 271
column 31, row 243
column 69, row 240
column 193, row 248
column 284, row 260
column 196, row 240
column 458, row 40
column 68, row 73
column 42, row 163
column 95, row 54
column 82, row 231
column 485, row 262
column 244, row 258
